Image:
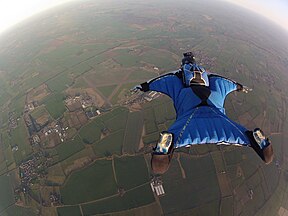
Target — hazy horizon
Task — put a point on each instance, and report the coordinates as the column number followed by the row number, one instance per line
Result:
column 11, row 15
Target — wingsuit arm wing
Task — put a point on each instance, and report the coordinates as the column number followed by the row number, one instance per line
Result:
column 224, row 85
column 169, row 84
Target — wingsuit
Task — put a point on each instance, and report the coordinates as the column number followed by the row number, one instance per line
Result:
column 198, row 99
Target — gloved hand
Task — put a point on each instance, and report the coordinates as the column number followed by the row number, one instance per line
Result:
column 246, row 89
column 136, row 89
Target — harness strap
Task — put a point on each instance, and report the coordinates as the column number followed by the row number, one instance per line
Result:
column 185, row 126
column 203, row 93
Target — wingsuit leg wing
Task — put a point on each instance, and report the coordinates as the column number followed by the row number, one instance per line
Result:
column 265, row 152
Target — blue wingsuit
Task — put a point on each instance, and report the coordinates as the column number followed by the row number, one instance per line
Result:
column 198, row 122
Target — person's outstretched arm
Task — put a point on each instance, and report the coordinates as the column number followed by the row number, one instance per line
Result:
column 169, row 84
column 225, row 85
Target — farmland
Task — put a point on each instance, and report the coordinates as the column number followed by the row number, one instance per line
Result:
column 6, row 193
column 112, row 144
column 17, row 210
column 76, row 141
column 54, row 105
column 124, row 166
column 19, row 137
column 91, row 132
column 107, row 90
column 133, row 132
column 69, row 148
column 131, row 199
column 73, row 211
column 79, row 188
column 203, row 191
column 59, row 83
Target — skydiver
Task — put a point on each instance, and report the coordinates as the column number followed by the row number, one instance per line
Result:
column 200, row 115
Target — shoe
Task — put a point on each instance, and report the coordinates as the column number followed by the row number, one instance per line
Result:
column 260, row 138
column 165, row 143
column 162, row 154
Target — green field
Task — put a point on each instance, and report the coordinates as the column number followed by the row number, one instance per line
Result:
column 68, row 211
column 256, row 203
column 132, row 199
column 235, row 175
column 277, row 200
column 60, row 82
column 91, row 132
column 123, row 91
column 118, row 121
column 80, row 83
column 55, row 174
column 233, row 157
column 133, row 132
column 3, row 167
column 19, row 211
column 175, row 189
column 151, row 138
column 69, row 147
column 112, row 144
column 159, row 59
column 197, row 169
column 6, row 192
column 272, row 176
column 64, row 55
column 38, row 112
column 107, row 90
column 19, row 136
column 124, row 166
column 160, row 113
column 2, row 155
column 17, row 105
column 103, row 74
column 38, row 74
column 108, row 48
column 125, row 58
column 80, row 69
column 111, row 114
column 94, row 62
column 4, row 96
column 55, row 105
column 86, row 152
column 3, row 118
column 141, row 74
column 226, row 207
column 277, row 141
column 191, row 191
column 91, row 183
column 149, row 120
column 9, row 156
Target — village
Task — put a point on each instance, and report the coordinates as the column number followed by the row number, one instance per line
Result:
column 46, row 132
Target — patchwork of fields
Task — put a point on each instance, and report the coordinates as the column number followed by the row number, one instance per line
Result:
column 73, row 143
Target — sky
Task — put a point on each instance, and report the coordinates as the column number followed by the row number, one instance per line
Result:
column 275, row 10
column 15, row 11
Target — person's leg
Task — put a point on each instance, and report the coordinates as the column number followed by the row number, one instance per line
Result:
column 265, row 152
column 162, row 153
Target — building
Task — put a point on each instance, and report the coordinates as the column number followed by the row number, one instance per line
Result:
column 157, row 187
column 36, row 139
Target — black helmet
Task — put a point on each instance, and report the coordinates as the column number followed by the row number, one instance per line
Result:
column 193, row 74
column 188, row 58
